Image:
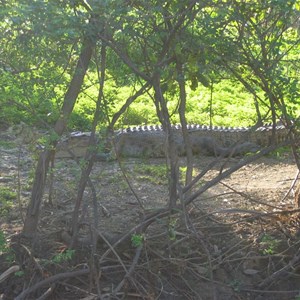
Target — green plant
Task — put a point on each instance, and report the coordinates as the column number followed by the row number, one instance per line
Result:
column 7, row 144
column 279, row 152
column 63, row 256
column 156, row 174
column 79, row 121
column 19, row 273
column 47, row 140
column 268, row 244
column 235, row 284
column 6, row 200
column 171, row 228
column 182, row 172
column 3, row 243
column 5, row 249
column 137, row 240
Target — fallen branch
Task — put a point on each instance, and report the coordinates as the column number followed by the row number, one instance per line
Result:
column 49, row 280
column 8, row 272
column 282, row 272
column 130, row 271
column 222, row 175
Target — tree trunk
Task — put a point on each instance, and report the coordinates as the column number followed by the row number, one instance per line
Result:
column 185, row 134
column 170, row 143
column 32, row 215
column 90, row 155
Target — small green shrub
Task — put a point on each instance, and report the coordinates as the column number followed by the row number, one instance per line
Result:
column 63, row 256
column 269, row 244
column 7, row 144
column 182, row 172
column 3, row 244
column 137, row 240
column 171, row 228
column 6, row 200
column 279, row 153
column 79, row 121
column 5, row 249
column 236, row 285
column 138, row 115
column 19, row 273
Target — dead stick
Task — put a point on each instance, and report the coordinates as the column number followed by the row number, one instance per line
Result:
column 131, row 269
column 292, row 185
column 51, row 279
column 280, row 272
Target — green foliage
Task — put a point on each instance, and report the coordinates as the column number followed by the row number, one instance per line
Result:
column 171, row 228
column 3, row 244
column 280, row 153
column 156, row 174
column 220, row 84
column 79, row 121
column 182, row 173
column 137, row 240
column 65, row 256
column 6, row 200
column 236, row 285
column 40, row 48
column 33, row 67
column 7, row 144
column 138, row 115
column 231, row 105
column 269, row 244
column 5, row 248
column 46, row 140
column 19, row 273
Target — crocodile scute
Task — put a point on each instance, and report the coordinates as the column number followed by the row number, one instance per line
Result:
column 151, row 141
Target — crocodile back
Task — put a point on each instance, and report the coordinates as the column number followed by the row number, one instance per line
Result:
column 151, row 141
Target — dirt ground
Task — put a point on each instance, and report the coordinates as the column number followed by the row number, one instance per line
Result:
column 237, row 240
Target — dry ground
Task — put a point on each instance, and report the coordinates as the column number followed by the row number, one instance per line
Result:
column 239, row 240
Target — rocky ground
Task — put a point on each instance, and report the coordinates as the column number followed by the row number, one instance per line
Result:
column 238, row 240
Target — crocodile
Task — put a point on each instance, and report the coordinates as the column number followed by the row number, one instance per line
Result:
column 150, row 141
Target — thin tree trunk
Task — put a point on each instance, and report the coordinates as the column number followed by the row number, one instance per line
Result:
column 259, row 121
column 170, row 143
column 32, row 216
column 128, row 102
column 185, row 134
column 92, row 149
